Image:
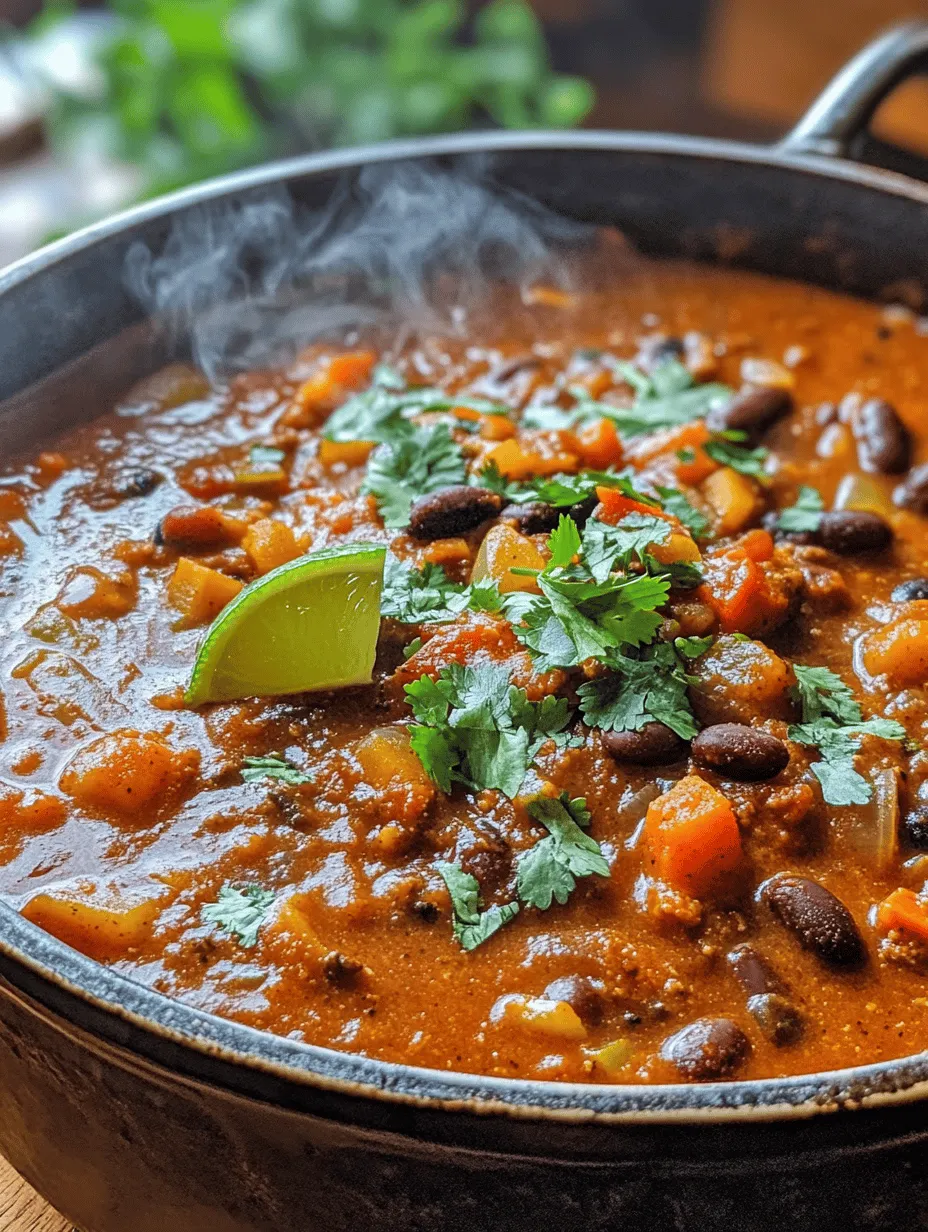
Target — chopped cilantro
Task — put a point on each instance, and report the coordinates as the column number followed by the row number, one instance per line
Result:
column 725, row 448
column 832, row 722
column 410, row 649
column 667, row 398
column 240, row 912
column 563, row 543
column 484, row 596
column 652, row 687
column 549, row 870
column 472, row 925
column 607, row 547
column 806, row 514
column 414, row 596
column 417, row 462
column 675, row 503
column 686, row 454
column 272, row 767
column 693, row 647
column 473, row 726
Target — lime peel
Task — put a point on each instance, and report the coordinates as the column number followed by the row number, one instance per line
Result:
column 310, row 624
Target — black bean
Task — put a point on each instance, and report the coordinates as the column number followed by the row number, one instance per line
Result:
column 912, row 493
column 852, row 531
column 339, row 969
column 657, row 351
column 452, row 511
column 910, row 591
column 584, row 511
column 137, row 483
column 767, row 999
column 652, row 745
column 583, row 994
column 425, row 910
column 884, row 446
column 536, row 518
column 740, row 752
column 915, row 828
column 771, row 522
column 753, row 412
column 777, row 1017
column 820, row 921
column 707, row 1049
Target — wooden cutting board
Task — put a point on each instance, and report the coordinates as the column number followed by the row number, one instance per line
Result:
column 21, row 1208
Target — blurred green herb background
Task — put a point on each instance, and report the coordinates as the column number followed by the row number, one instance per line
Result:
column 184, row 89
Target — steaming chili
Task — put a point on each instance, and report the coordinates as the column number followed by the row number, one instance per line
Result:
column 668, row 817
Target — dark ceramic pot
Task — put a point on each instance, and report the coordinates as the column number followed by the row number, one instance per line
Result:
column 132, row 1113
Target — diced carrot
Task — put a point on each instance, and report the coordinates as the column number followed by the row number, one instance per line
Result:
column 692, row 836
column 758, row 545
column 125, row 772
column 538, row 453
column 904, row 911
column 735, row 499
column 447, row 552
column 900, row 652
column 497, row 428
column 330, row 385
column 599, row 444
column 689, row 439
column 615, row 505
column 346, row 453
column 269, row 544
column 104, row 930
column 199, row 593
column 735, row 589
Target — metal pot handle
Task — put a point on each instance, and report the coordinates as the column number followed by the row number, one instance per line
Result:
column 837, row 123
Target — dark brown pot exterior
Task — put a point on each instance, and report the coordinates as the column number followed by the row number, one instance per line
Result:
column 122, row 1145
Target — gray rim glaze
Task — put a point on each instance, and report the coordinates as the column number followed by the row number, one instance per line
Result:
column 122, row 999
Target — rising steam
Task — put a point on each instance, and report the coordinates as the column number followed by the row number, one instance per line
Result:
column 249, row 282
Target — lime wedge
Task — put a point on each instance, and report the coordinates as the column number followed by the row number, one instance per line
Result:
column 310, row 624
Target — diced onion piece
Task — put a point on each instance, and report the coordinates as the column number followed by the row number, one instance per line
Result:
column 612, row 1058
column 899, row 651
column 872, row 830
column 766, row 372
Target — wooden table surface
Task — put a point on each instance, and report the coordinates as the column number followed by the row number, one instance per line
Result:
column 21, row 1208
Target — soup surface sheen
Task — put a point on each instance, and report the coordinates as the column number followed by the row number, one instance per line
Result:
column 309, row 895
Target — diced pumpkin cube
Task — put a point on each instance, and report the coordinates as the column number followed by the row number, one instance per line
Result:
column 599, row 444
column 504, row 549
column 734, row 497
column 900, row 652
column 105, row 926
column 333, row 381
column 125, row 773
column 448, row 552
column 538, row 453
column 685, row 445
column 678, row 547
column 344, row 453
column 692, row 837
column 199, row 593
column 270, row 544
column 386, row 757
column 30, row 811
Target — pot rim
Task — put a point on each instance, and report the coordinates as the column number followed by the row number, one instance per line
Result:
column 245, row 1048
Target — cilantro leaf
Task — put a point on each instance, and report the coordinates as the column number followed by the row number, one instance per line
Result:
column 549, row 870
column 475, row 727
column 240, row 912
column 472, row 926
column 832, row 722
column 652, row 687
column 272, row 767
column 563, row 543
column 821, row 692
column 806, row 514
column 484, row 596
column 414, row 596
column 607, row 547
column 693, row 647
column 420, row 461
column 675, row 503
column 725, row 449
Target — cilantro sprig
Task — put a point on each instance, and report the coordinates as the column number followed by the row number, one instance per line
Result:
column 650, row 687
column 272, row 767
column 833, row 722
column 472, row 925
column 806, row 514
column 665, row 398
column 548, row 871
column 473, row 726
column 239, row 911
column 412, row 464
column 727, row 449
column 428, row 596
